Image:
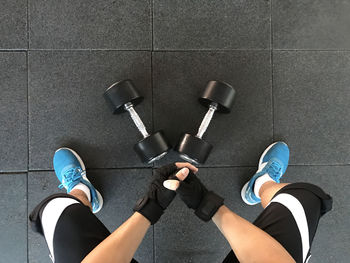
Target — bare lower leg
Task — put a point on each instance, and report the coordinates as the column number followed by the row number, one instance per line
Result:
column 81, row 196
column 268, row 190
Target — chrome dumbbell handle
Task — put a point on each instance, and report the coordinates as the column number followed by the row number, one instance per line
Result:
column 136, row 118
column 206, row 120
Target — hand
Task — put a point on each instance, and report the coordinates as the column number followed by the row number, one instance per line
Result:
column 194, row 194
column 158, row 198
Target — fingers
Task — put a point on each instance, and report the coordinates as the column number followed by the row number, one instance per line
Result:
column 182, row 174
column 174, row 184
column 171, row 184
column 193, row 168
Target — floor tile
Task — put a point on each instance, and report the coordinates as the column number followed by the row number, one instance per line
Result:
column 333, row 234
column 13, row 24
column 67, row 107
column 317, row 24
column 181, row 237
column 13, row 218
column 13, row 111
column 180, row 25
column 120, row 190
column 83, row 24
column 311, row 105
column 239, row 137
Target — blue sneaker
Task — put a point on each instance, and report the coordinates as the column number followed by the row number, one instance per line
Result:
column 70, row 171
column 274, row 162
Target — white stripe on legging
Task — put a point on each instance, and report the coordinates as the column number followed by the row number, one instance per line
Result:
column 50, row 216
column 297, row 210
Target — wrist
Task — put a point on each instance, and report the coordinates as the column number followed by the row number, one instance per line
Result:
column 141, row 219
column 218, row 215
column 149, row 208
column 208, row 206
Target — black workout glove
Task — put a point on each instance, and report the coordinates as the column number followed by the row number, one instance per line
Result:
column 157, row 199
column 196, row 196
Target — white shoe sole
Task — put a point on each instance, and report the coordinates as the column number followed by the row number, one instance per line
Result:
column 244, row 188
column 99, row 196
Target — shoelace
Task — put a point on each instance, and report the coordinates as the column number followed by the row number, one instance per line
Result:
column 70, row 178
column 274, row 169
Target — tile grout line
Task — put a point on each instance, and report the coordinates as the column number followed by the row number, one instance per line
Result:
column 27, row 173
column 272, row 79
column 152, row 23
column 28, row 31
column 152, row 97
column 27, row 62
column 152, row 48
column 271, row 26
column 204, row 167
column 89, row 169
column 153, row 168
column 14, row 172
column 178, row 50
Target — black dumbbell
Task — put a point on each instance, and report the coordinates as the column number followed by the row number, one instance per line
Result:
column 218, row 96
column 123, row 96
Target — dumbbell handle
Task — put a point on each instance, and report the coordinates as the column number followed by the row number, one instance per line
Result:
column 206, row 120
column 136, row 118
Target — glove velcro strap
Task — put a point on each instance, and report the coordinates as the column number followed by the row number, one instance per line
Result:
column 149, row 209
column 207, row 208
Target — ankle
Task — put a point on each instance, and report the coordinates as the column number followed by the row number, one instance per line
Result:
column 84, row 188
column 266, row 186
column 81, row 195
column 259, row 182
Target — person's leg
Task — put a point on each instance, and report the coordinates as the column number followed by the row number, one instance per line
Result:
column 272, row 165
column 71, row 172
column 70, row 229
column 292, row 216
column 54, row 209
column 292, row 211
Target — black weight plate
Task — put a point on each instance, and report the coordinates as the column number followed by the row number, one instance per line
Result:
column 153, row 147
column 221, row 93
column 193, row 149
column 120, row 93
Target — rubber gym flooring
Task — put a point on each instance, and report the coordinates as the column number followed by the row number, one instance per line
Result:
column 289, row 62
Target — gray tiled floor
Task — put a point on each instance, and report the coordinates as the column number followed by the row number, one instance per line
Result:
column 13, row 217
column 317, row 24
column 312, row 105
column 81, row 24
column 13, row 24
column 63, row 83
column 182, row 25
column 13, row 112
column 288, row 60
